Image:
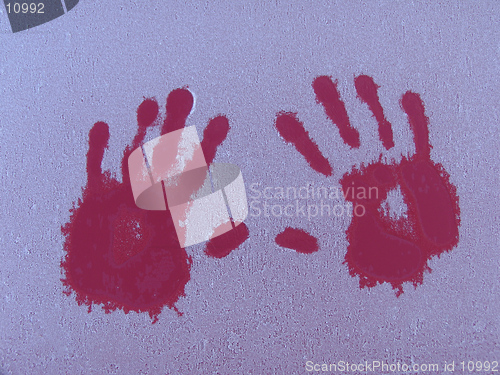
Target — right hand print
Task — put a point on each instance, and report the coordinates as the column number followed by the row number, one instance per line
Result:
column 382, row 247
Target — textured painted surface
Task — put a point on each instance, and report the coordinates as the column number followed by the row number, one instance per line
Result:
column 261, row 308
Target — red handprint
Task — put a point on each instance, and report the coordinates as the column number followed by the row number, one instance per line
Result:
column 381, row 248
column 119, row 255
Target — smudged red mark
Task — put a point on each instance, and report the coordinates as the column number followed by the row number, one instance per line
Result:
column 292, row 130
column 298, row 240
column 221, row 246
column 367, row 92
column 383, row 248
column 328, row 95
column 117, row 254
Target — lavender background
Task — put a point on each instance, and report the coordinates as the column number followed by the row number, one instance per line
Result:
column 263, row 309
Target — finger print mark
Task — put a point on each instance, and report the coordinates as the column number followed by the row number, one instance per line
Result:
column 221, row 246
column 147, row 112
column 367, row 92
column 292, row 131
column 419, row 123
column 118, row 255
column 98, row 142
column 298, row 240
column 179, row 105
column 213, row 136
column 328, row 95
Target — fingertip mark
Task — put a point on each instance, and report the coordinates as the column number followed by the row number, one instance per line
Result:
column 298, row 240
column 214, row 134
column 178, row 107
column 147, row 112
column 414, row 107
column 292, row 131
column 221, row 246
column 99, row 135
column 98, row 142
column 367, row 92
column 328, row 95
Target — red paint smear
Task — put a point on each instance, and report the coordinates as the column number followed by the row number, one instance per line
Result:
column 298, row 240
column 328, row 95
column 367, row 92
column 221, row 246
column 118, row 255
column 383, row 249
column 292, row 130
